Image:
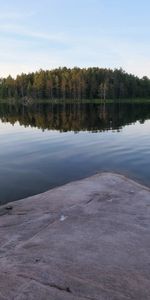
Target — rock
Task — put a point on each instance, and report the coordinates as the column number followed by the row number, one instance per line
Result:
column 88, row 239
column 27, row 100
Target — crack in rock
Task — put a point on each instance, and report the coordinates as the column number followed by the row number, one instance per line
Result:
column 55, row 286
column 65, row 289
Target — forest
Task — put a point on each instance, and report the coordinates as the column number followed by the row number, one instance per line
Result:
column 76, row 83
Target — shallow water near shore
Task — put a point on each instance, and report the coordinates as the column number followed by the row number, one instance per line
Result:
column 46, row 145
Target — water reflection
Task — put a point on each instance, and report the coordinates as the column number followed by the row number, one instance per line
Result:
column 75, row 117
column 34, row 160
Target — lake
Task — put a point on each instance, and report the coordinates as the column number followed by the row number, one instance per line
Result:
column 46, row 145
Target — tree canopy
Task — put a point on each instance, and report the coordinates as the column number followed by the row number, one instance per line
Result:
column 76, row 83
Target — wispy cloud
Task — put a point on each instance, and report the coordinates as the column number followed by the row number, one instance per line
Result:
column 83, row 52
column 15, row 15
column 48, row 34
column 25, row 32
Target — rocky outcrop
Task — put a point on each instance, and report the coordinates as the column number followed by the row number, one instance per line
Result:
column 89, row 239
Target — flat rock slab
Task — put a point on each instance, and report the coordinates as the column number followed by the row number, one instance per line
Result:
column 89, row 239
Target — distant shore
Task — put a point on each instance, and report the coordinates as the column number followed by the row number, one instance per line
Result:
column 29, row 101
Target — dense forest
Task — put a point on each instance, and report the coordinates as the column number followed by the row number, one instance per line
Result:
column 75, row 84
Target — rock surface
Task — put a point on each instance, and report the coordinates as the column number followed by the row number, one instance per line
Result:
column 88, row 239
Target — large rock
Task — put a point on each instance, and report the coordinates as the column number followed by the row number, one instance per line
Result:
column 89, row 239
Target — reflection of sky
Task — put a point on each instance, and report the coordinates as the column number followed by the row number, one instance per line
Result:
column 138, row 129
column 47, row 34
column 6, row 127
column 32, row 161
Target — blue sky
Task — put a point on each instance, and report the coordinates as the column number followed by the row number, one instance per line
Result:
column 48, row 34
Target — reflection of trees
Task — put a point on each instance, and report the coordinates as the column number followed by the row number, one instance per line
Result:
column 76, row 117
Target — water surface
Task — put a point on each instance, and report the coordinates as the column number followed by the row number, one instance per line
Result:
column 43, row 146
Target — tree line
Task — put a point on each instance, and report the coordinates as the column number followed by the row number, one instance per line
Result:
column 76, row 84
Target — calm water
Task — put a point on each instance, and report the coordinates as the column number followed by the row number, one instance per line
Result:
column 43, row 146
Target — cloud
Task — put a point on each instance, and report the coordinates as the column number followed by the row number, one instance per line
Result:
column 32, row 49
column 25, row 32
column 15, row 15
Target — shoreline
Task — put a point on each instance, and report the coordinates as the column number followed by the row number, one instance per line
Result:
column 30, row 101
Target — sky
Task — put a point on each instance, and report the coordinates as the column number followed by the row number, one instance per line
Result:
column 53, row 33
